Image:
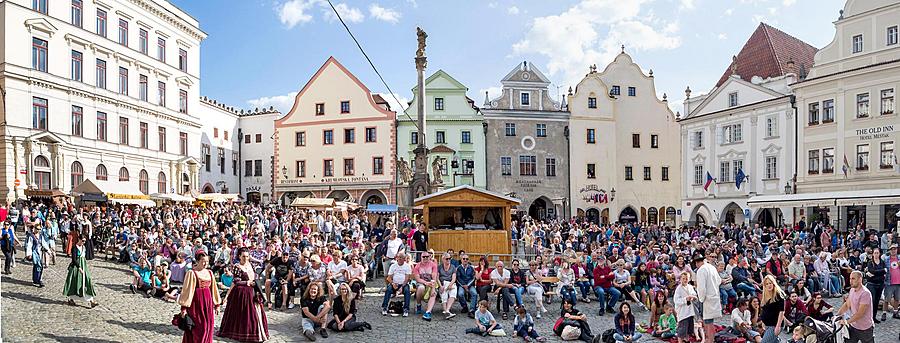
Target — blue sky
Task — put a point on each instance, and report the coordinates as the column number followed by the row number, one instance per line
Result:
column 260, row 53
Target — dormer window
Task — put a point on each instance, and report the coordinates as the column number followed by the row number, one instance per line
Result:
column 592, row 102
column 732, row 99
column 615, row 90
column 438, row 104
column 525, row 99
column 857, row 44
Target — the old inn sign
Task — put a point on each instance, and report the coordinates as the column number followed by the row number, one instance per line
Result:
column 595, row 194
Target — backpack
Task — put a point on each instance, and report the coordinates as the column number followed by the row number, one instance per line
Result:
column 607, row 336
column 570, row 333
column 395, row 307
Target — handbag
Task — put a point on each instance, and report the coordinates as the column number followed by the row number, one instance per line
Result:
column 185, row 323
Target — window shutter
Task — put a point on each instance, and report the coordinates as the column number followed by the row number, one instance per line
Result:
column 720, row 135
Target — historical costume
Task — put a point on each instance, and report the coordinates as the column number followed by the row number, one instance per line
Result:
column 244, row 319
column 199, row 298
column 79, row 284
column 36, row 244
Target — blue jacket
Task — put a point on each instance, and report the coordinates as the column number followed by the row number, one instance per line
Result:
column 465, row 276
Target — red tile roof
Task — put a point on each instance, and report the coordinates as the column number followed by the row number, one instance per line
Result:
column 767, row 52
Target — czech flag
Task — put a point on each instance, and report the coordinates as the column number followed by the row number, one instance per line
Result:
column 709, row 181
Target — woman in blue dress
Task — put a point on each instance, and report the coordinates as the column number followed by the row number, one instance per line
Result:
column 37, row 265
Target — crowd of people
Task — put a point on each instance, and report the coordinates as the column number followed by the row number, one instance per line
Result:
column 245, row 260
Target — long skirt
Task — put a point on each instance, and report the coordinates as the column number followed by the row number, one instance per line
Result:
column 203, row 314
column 244, row 319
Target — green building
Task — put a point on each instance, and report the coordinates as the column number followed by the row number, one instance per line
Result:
column 455, row 133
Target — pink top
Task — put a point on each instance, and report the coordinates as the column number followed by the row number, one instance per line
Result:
column 894, row 268
column 425, row 270
column 859, row 297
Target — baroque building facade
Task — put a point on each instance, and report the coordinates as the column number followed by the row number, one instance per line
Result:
column 107, row 91
column 849, row 176
column 527, row 144
column 338, row 141
column 742, row 133
column 623, row 147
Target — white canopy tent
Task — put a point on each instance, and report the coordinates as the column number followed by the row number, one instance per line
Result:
column 174, row 197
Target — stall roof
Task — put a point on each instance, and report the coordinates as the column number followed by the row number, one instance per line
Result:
column 313, row 202
column 171, row 197
column 842, row 198
column 467, row 187
column 381, row 208
column 107, row 187
column 217, row 197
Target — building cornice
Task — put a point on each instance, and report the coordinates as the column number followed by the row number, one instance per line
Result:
column 733, row 110
column 171, row 19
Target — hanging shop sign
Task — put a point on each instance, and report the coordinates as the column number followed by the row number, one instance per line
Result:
column 596, row 195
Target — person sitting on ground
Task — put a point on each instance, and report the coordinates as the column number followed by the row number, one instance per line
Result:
column 397, row 280
column 818, row 309
column 794, row 310
column 797, row 336
column 426, row 276
column 484, row 321
column 162, row 288
column 314, row 307
column 658, row 308
column 741, row 322
column 667, row 324
column 523, row 325
column 356, row 274
column 625, row 325
column 142, row 277
column 344, row 306
column 573, row 317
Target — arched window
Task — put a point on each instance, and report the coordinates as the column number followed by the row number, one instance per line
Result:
column 144, row 181
column 123, row 174
column 77, row 174
column 101, row 174
column 41, row 172
column 161, row 183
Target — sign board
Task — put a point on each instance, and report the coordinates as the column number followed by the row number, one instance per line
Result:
column 23, row 171
column 746, row 213
column 18, row 182
column 875, row 132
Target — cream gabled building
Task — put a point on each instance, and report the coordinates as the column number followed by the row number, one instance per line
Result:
column 97, row 90
column 624, row 148
column 846, row 110
column 338, row 141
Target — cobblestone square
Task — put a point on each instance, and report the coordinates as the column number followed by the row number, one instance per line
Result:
column 31, row 314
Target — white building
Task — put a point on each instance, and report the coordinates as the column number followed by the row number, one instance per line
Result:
column 219, row 143
column 623, row 147
column 849, row 174
column 744, row 125
column 257, row 150
column 98, row 90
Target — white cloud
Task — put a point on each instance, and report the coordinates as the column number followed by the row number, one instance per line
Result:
column 729, row 11
column 492, row 4
column 687, row 5
column 787, row 3
column 512, row 10
column 384, row 14
column 349, row 14
column 282, row 103
column 722, row 36
column 773, row 10
column 591, row 32
column 295, row 12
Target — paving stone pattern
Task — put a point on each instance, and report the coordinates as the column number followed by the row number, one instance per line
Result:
column 31, row 314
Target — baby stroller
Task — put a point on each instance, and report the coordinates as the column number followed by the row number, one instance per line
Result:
column 818, row 331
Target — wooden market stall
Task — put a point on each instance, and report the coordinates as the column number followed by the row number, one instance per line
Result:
column 324, row 205
column 468, row 218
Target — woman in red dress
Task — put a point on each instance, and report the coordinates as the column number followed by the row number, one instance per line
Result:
column 244, row 319
column 199, row 299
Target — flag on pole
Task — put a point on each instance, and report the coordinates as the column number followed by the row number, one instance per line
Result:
column 846, row 166
column 709, row 181
column 739, row 178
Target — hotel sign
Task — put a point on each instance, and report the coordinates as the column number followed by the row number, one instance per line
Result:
column 595, row 194
column 875, row 132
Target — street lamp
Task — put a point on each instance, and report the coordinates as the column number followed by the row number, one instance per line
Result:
column 284, row 171
column 612, row 194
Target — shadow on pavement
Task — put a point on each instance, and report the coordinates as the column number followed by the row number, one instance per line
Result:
column 11, row 280
column 117, row 287
column 75, row 339
column 149, row 327
column 29, row 297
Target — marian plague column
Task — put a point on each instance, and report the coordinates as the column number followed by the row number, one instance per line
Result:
column 420, row 186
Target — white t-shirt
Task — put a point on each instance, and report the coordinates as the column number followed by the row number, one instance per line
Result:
column 337, row 269
column 496, row 277
column 400, row 274
column 393, row 247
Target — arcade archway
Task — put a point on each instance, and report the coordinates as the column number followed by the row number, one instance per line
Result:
column 628, row 215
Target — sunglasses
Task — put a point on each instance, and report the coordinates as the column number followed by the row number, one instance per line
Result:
column 426, row 256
